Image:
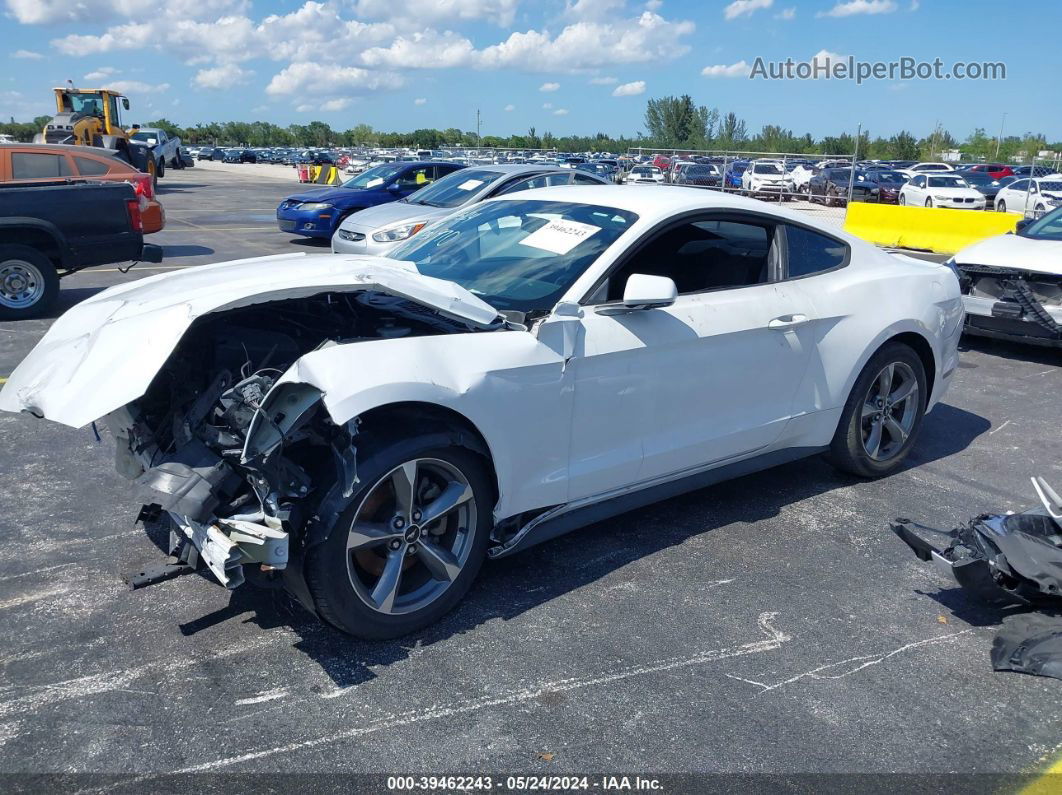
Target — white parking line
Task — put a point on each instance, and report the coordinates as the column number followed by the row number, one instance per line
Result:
column 774, row 640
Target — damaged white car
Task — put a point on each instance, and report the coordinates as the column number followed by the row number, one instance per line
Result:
column 1012, row 284
column 368, row 430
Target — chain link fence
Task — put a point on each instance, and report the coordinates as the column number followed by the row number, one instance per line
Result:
column 825, row 185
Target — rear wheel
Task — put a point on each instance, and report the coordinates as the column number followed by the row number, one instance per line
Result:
column 409, row 543
column 1001, row 206
column 883, row 414
column 28, row 282
column 161, row 169
column 929, row 202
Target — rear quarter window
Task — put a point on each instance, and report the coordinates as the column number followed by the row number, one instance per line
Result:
column 90, row 167
column 809, row 252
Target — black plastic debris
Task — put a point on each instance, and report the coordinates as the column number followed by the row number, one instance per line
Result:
column 1030, row 643
column 1006, row 559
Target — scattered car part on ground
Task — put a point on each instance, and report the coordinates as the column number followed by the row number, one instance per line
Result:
column 1006, row 559
column 1029, row 643
column 371, row 421
column 1012, row 284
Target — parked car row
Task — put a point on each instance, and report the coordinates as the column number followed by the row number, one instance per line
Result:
column 373, row 211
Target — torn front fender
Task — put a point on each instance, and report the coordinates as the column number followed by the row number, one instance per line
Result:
column 104, row 352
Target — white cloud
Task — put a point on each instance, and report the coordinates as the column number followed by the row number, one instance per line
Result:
column 425, row 50
column 853, row 7
column 591, row 45
column 629, row 89
column 305, row 78
column 103, row 73
column 221, row 77
column 739, row 69
column 333, row 105
column 740, row 8
column 547, row 87
column 547, row 105
column 593, row 9
column 823, row 58
column 42, row 12
column 603, row 81
column 137, row 87
column 653, row 5
column 305, row 107
column 509, row 108
column 421, row 12
column 27, row 54
column 560, row 112
column 915, row 5
column 420, row 101
column 786, row 14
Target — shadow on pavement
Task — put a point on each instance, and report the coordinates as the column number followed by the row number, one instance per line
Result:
column 508, row 587
column 1005, row 349
column 168, row 252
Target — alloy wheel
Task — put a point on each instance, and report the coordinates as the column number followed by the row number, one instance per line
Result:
column 890, row 410
column 411, row 536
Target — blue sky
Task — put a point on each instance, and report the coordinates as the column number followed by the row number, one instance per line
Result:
column 567, row 66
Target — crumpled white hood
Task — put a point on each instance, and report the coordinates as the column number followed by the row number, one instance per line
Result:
column 1015, row 251
column 103, row 353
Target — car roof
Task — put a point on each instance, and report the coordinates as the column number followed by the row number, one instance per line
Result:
column 72, row 148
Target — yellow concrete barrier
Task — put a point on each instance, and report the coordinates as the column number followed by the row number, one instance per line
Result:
column 931, row 228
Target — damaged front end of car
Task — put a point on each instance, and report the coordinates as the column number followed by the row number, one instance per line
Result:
column 1014, row 304
column 236, row 459
column 1012, row 558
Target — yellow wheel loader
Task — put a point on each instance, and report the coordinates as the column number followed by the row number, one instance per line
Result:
column 90, row 117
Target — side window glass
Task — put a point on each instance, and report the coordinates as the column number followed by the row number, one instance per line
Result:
column 809, row 252
column 87, row 167
column 703, row 255
column 30, row 165
column 523, row 184
column 584, row 179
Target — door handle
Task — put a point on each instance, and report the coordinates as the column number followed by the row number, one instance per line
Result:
column 787, row 321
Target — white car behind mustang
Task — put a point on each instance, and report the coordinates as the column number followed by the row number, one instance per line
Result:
column 368, row 430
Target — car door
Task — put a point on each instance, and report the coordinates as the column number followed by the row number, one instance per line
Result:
column 915, row 190
column 710, row 378
column 1013, row 195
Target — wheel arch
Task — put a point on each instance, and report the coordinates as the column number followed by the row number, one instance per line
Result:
column 389, row 421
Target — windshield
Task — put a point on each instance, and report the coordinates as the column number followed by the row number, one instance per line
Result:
column 519, row 255
column 146, row 137
column 766, row 168
column 1047, row 228
column 454, row 189
column 1051, row 186
column 374, row 177
column 947, row 182
column 978, row 178
column 888, row 176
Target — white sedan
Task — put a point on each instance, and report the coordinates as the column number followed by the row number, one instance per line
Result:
column 644, row 175
column 941, row 190
column 366, row 430
column 1030, row 196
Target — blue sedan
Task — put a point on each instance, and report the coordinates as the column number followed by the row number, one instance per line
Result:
column 317, row 213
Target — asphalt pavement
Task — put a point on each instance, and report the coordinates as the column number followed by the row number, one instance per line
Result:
column 767, row 625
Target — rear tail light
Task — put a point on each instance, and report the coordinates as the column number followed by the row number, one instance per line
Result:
column 144, row 185
column 136, row 220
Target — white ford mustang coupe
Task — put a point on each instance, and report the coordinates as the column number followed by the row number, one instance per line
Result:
column 368, row 430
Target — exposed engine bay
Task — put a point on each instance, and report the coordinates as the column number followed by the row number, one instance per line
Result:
column 185, row 438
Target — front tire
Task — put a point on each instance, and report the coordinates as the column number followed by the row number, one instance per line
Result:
column 883, row 414
column 29, row 283
column 409, row 543
column 1001, row 206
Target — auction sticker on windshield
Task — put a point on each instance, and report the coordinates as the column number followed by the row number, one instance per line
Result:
column 470, row 184
column 560, row 237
